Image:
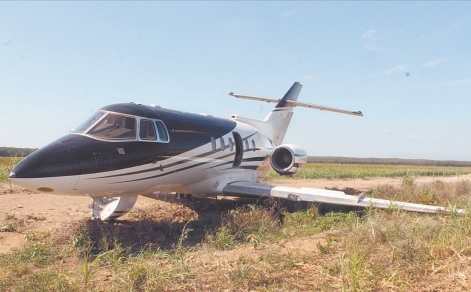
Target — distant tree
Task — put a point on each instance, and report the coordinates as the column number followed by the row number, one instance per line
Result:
column 15, row 152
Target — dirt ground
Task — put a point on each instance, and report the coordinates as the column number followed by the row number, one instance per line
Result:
column 51, row 213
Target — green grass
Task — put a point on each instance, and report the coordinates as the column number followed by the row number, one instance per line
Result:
column 365, row 171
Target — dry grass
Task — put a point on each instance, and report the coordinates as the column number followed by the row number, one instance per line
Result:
column 258, row 247
column 6, row 165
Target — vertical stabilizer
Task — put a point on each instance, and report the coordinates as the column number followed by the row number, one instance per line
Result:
column 279, row 118
column 292, row 94
column 275, row 125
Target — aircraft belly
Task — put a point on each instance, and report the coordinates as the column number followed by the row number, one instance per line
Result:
column 65, row 185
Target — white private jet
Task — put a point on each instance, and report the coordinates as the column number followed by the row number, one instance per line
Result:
column 126, row 150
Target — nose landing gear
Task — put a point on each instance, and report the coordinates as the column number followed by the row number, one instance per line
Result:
column 109, row 208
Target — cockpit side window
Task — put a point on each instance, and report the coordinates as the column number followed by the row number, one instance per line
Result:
column 162, row 130
column 115, row 127
column 147, row 130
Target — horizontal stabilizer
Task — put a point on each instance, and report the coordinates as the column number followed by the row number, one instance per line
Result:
column 297, row 103
column 328, row 197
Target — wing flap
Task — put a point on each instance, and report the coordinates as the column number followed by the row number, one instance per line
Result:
column 314, row 195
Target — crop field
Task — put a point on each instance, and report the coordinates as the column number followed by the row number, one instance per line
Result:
column 366, row 171
column 242, row 245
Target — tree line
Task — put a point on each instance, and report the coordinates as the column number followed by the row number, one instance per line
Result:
column 15, row 152
column 387, row 161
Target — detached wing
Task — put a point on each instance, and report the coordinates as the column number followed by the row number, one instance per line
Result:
column 244, row 189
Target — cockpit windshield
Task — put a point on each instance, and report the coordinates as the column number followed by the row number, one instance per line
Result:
column 90, row 121
column 112, row 126
column 115, row 127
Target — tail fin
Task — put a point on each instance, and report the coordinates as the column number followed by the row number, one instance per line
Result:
column 292, row 94
column 275, row 125
column 280, row 117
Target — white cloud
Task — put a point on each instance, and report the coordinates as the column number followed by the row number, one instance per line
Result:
column 422, row 136
column 415, row 136
column 368, row 34
column 310, row 77
column 460, row 23
column 433, row 63
column 457, row 82
column 370, row 41
column 385, row 131
column 397, row 68
column 288, row 13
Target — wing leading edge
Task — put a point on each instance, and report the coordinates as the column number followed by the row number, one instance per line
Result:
column 244, row 189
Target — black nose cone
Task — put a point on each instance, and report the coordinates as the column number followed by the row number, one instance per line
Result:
column 55, row 159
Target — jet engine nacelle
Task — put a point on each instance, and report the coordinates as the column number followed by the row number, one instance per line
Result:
column 288, row 159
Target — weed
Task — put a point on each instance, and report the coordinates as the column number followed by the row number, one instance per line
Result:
column 6, row 166
column 88, row 268
column 222, row 239
column 138, row 276
column 8, row 227
column 37, row 253
column 9, row 216
column 35, row 218
column 179, row 248
column 242, row 274
column 324, row 248
column 81, row 239
column 36, row 235
column 335, row 269
column 247, row 224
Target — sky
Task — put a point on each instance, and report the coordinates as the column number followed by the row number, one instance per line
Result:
column 406, row 65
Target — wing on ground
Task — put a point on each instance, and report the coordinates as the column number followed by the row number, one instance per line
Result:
column 249, row 189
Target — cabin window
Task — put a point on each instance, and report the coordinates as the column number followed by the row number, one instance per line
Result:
column 162, row 131
column 147, row 131
column 115, row 127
